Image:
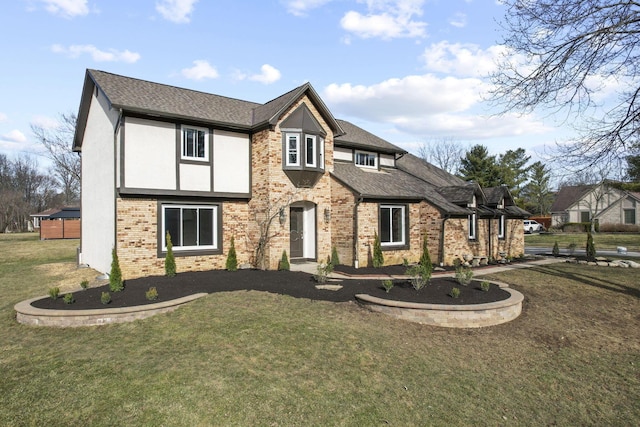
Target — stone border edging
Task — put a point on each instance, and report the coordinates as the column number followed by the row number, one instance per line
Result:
column 452, row 316
column 30, row 315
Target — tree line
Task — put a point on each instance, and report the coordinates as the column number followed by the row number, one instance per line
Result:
column 25, row 189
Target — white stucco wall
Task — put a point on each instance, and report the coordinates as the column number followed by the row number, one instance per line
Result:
column 341, row 153
column 387, row 160
column 98, row 183
column 195, row 177
column 231, row 162
column 149, row 154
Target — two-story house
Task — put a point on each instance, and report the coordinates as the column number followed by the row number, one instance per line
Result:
column 280, row 176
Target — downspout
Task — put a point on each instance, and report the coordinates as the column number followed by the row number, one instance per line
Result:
column 442, row 246
column 490, row 237
column 355, row 232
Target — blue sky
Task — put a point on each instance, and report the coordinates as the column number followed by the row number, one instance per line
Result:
column 410, row 71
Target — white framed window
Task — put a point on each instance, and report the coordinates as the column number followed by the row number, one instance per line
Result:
column 310, row 151
column 293, row 149
column 366, row 160
column 473, row 225
column 392, row 225
column 195, row 143
column 191, row 227
column 501, row 227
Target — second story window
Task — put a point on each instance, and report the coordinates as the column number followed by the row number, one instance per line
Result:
column 293, row 149
column 194, row 143
column 367, row 160
column 310, row 150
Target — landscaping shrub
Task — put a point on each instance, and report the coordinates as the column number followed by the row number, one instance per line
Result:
column 151, row 294
column 232, row 258
column 571, row 247
column 54, row 292
column 464, row 274
column 105, row 298
column 169, row 260
column 115, row 276
column 284, row 265
column 387, row 285
column 591, row 249
column 84, row 284
column 484, row 285
column 420, row 276
column 378, row 258
column 619, row 228
column 335, row 259
column 556, row 250
column 68, row 298
column 322, row 272
column 455, row 292
column 425, row 258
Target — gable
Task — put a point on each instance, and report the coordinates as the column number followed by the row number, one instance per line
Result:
column 302, row 118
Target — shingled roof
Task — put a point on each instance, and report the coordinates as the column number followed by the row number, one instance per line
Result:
column 569, row 195
column 356, row 137
column 427, row 172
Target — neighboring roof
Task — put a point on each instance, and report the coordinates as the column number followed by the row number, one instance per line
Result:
column 356, row 137
column 427, row 172
column 144, row 97
column 391, row 183
column 46, row 212
column 569, row 195
column 68, row 212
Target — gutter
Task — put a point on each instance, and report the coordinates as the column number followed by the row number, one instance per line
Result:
column 355, row 232
column 442, row 245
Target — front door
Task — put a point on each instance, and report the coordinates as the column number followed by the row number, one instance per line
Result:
column 296, row 232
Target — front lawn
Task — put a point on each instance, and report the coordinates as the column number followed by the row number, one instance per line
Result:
column 253, row 358
column 601, row 240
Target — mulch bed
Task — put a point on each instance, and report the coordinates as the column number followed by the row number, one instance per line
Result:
column 295, row 284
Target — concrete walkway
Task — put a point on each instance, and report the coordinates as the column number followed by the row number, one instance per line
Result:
column 311, row 268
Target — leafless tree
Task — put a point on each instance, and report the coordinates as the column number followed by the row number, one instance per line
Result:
column 444, row 153
column 265, row 218
column 561, row 53
column 66, row 163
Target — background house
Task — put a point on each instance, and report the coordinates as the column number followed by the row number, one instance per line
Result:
column 604, row 203
column 280, row 176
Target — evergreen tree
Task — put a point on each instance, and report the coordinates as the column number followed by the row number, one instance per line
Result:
column 335, row 260
column 232, row 259
column 556, row 250
column 537, row 194
column 478, row 166
column 378, row 258
column 169, row 261
column 514, row 171
column 284, row 265
column 633, row 168
column 115, row 275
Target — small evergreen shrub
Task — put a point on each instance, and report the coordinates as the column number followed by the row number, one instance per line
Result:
column 420, row 276
column 455, row 292
column 405, row 262
column 232, row 258
column 68, row 298
column 556, row 250
column 322, row 272
column 105, row 298
column 378, row 258
column 115, row 277
column 485, row 286
column 84, row 284
column 591, row 249
column 335, row 259
column 284, row 265
column 169, row 260
column 151, row 294
column 54, row 292
column 464, row 275
column 387, row 285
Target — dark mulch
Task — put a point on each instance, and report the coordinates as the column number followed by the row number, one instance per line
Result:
column 295, row 284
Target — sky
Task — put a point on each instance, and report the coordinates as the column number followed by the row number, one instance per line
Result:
column 410, row 71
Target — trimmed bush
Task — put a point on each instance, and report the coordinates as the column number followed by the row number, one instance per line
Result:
column 378, row 258
column 115, row 276
column 232, row 259
column 322, row 272
column 169, row 260
column 464, row 275
column 105, row 298
column 387, row 285
column 556, row 250
column 335, row 260
column 284, row 265
column 151, row 294
column 68, row 298
column 484, row 285
column 54, row 292
column 455, row 292
column 84, row 284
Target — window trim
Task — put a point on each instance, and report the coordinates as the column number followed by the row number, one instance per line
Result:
column 214, row 248
column 502, row 227
column 629, row 210
column 287, row 149
column 404, row 244
column 366, row 153
column 314, row 151
column 183, row 156
column 472, row 225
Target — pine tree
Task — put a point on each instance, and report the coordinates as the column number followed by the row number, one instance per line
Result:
column 478, row 166
column 556, row 250
column 378, row 258
column 335, row 260
column 169, row 261
column 232, row 259
column 283, row 265
column 115, row 276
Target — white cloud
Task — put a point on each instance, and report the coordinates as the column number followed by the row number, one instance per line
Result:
column 461, row 59
column 200, row 70
column 458, row 20
column 301, row 7
column 111, row 55
column 178, row 11
column 386, row 19
column 268, row 75
column 67, row 8
column 14, row 136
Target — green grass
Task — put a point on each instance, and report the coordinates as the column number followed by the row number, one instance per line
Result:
column 602, row 240
column 250, row 358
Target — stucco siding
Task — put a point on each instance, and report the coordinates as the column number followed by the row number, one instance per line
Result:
column 231, row 162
